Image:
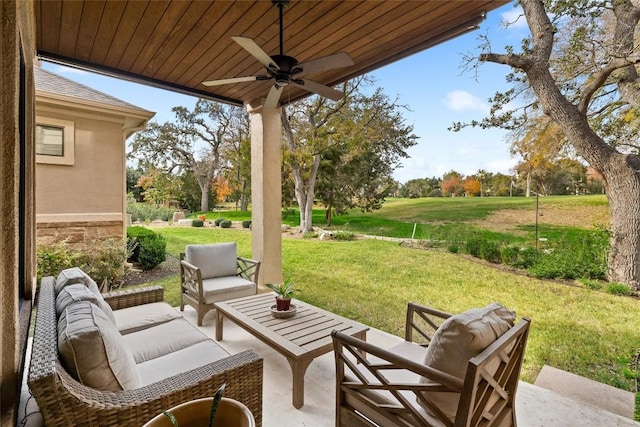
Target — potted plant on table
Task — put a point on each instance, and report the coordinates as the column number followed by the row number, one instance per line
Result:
column 283, row 291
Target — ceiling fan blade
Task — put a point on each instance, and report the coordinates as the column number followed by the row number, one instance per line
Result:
column 273, row 97
column 256, row 51
column 320, row 89
column 231, row 80
column 337, row 60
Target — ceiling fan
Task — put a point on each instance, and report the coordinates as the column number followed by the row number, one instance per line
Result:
column 286, row 70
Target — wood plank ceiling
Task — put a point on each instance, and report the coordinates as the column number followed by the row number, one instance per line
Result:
column 180, row 44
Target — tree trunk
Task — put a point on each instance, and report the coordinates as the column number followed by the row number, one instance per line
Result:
column 244, row 200
column 305, row 193
column 204, row 199
column 623, row 194
column 327, row 216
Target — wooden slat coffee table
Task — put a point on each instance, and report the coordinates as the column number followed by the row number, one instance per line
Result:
column 300, row 338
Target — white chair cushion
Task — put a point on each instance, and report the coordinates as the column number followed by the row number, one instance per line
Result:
column 75, row 275
column 460, row 338
column 180, row 361
column 73, row 293
column 213, row 260
column 162, row 339
column 138, row 317
column 225, row 288
column 92, row 350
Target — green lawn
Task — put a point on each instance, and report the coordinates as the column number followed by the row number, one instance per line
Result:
column 589, row 333
column 435, row 218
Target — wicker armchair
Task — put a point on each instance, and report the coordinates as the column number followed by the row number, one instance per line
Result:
column 387, row 388
column 63, row 401
column 212, row 273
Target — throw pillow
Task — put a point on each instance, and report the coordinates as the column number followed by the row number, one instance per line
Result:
column 460, row 338
column 73, row 293
column 93, row 351
column 75, row 275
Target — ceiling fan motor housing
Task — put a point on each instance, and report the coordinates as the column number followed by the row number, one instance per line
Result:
column 287, row 68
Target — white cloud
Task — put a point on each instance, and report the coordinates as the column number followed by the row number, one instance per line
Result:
column 461, row 100
column 514, row 18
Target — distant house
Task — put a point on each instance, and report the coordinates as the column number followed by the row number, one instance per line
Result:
column 80, row 160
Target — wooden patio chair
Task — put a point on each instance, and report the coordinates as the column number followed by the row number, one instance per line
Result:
column 396, row 388
column 212, row 273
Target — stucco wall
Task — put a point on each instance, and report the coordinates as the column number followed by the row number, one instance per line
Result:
column 87, row 197
column 17, row 263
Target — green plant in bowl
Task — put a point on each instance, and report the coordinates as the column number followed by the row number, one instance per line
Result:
column 284, row 291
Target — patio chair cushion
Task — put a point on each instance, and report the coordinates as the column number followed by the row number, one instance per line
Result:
column 75, row 275
column 180, row 361
column 213, row 260
column 162, row 339
column 138, row 317
column 71, row 294
column 224, row 288
column 460, row 338
column 92, row 350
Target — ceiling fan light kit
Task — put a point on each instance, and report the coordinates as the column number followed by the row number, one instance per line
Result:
column 285, row 69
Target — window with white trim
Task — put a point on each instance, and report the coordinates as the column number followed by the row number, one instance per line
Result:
column 54, row 141
column 50, row 140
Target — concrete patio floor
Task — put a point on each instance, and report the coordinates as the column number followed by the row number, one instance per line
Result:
column 535, row 406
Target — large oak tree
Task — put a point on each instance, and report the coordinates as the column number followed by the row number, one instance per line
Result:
column 196, row 141
column 579, row 68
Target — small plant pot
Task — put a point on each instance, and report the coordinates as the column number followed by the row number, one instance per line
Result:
column 283, row 304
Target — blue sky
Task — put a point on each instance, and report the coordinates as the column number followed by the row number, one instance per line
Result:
column 430, row 83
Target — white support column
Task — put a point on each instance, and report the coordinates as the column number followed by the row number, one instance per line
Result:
column 266, row 192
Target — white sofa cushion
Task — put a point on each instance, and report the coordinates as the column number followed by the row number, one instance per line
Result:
column 92, row 350
column 225, row 288
column 213, row 260
column 73, row 293
column 75, row 275
column 460, row 338
column 162, row 339
column 136, row 318
column 180, row 361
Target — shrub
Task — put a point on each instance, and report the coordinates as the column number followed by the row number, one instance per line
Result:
column 134, row 234
column 310, row 235
column 343, row 235
column 197, row 223
column 576, row 258
column 618, row 289
column 151, row 247
column 225, row 223
column 153, row 251
column 518, row 257
column 246, row 223
column 490, row 251
column 453, row 248
column 473, row 247
column 52, row 259
column 105, row 263
column 103, row 260
column 218, row 221
column 435, row 193
column 148, row 211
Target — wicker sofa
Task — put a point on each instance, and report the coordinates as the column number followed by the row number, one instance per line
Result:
column 65, row 401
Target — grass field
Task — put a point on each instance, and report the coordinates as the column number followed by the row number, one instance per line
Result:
column 509, row 216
